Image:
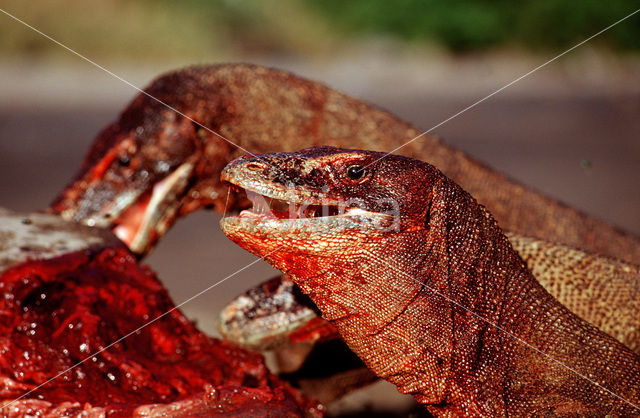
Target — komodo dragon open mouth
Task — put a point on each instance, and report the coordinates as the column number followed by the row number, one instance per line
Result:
column 298, row 209
column 152, row 212
column 267, row 207
column 292, row 207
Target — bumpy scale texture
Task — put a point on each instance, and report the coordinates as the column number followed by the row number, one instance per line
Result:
column 611, row 287
column 444, row 308
column 267, row 110
column 604, row 292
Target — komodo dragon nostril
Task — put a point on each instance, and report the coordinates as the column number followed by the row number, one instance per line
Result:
column 255, row 166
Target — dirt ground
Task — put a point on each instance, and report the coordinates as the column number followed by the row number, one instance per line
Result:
column 576, row 141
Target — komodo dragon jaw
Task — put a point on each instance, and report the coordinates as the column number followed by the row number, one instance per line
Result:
column 443, row 307
column 138, row 182
column 265, row 110
column 300, row 208
column 602, row 291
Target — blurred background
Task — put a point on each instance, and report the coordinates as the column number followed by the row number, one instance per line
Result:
column 571, row 129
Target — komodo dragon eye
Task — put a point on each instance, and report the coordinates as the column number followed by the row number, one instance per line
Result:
column 355, row 172
column 124, row 160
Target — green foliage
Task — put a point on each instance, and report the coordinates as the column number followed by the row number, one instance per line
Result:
column 207, row 30
column 477, row 24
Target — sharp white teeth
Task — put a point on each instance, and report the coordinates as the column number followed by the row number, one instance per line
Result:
column 260, row 205
column 263, row 205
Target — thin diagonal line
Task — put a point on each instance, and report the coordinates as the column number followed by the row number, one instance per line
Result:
column 471, row 106
column 135, row 331
column 178, row 112
column 126, row 82
column 224, row 215
column 522, row 341
column 255, row 261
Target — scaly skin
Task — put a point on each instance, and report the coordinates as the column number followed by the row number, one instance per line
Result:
column 611, row 286
column 151, row 150
column 272, row 315
column 265, row 110
column 269, row 110
column 435, row 300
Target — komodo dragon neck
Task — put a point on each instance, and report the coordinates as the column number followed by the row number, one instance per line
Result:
column 268, row 110
column 604, row 292
column 442, row 306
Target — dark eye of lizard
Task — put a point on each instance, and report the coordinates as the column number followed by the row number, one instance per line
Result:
column 124, row 160
column 355, row 172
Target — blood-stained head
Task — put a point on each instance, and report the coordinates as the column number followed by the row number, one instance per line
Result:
column 143, row 172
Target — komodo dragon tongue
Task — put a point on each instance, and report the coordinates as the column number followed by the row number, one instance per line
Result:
column 153, row 165
column 428, row 292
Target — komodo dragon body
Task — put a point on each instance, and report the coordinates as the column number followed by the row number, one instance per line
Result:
column 273, row 315
column 153, row 164
column 432, row 297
